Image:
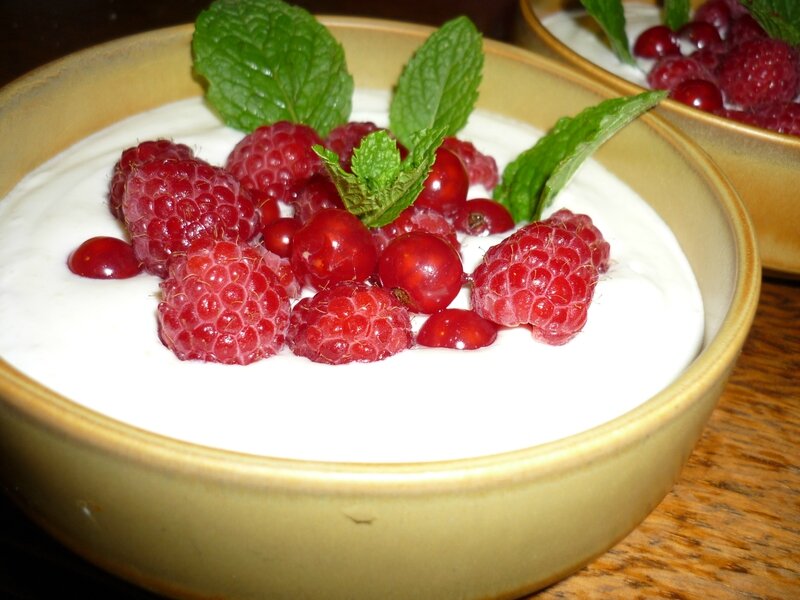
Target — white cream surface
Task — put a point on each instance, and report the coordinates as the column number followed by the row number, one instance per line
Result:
column 96, row 341
column 578, row 31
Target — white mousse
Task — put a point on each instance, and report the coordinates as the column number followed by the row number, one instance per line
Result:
column 96, row 341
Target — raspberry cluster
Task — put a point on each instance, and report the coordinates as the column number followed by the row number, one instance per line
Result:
column 723, row 62
column 261, row 255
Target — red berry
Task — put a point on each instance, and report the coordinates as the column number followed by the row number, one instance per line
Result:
column 278, row 235
column 541, row 276
column 481, row 168
column 269, row 209
column 349, row 322
column 716, row 13
column 416, row 218
column 347, row 137
column 446, row 186
column 314, row 194
column 457, row 328
column 760, row 71
column 699, row 94
column 168, row 204
column 422, row 270
column 655, row 42
column 133, row 158
column 783, row 117
column 669, row 71
column 481, row 216
column 333, row 246
column 221, row 303
column 276, row 158
column 702, row 36
column 582, row 225
column 744, row 29
column 104, row 258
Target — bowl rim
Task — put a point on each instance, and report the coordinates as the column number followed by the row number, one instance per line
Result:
column 41, row 407
column 622, row 85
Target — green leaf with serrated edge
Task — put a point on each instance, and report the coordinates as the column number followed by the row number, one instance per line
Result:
column 376, row 161
column 779, row 18
column 533, row 179
column 610, row 15
column 439, row 85
column 676, row 13
column 266, row 61
column 379, row 205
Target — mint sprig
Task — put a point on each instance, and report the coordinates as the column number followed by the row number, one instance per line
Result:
column 532, row 180
column 438, row 87
column 610, row 15
column 381, row 185
column 267, row 61
column 779, row 18
column 676, row 13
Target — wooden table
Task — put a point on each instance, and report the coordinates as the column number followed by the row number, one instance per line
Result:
column 730, row 529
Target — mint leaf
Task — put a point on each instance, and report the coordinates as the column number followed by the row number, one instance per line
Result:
column 381, row 186
column 376, row 161
column 610, row 15
column 266, row 61
column 676, row 13
column 779, row 18
column 533, row 179
column 438, row 87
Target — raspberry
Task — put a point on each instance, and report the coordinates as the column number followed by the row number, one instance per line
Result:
column 168, row 204
column 759, row 71
column 586, row 230
column 416, row 218
column 349, row 322
column 133, row 158
column 783, row 117
column 481, row 168
column 222, row 303
column 276, row 158
column 345, row 138
column 671, row 70
column 314, row 194
column 542, row 276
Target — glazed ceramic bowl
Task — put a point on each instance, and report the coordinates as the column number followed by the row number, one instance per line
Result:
column 196, row 522
column 762, row 165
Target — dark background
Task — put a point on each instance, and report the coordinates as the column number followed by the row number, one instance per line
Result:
column 34, row 32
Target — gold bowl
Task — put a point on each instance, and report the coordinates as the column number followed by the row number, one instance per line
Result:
column 763, row 166
column 196, row 522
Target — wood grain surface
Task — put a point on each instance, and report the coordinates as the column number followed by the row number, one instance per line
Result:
column 730, row 529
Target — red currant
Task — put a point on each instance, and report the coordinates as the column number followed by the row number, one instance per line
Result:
column 422, row 270
column 716, row 13
column 481, row 216
column 698, row 93
column 655, row 42
column 278, row 235
column 446, row 186
column 313, row 195
column 333, row 246
column 701, row 35
column 457, row 328
column 104, row 258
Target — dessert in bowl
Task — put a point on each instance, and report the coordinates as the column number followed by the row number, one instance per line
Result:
column 145, row 504
column 760, row 163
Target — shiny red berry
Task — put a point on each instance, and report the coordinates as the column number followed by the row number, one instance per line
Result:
column 698, row 93
column 446, row 186
column 457, row 328
column 481, row 216
column 278, row 236
column 655, row 42
column 701, row 35
column 104, row 258
column 422, row 270
column 333, row 246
